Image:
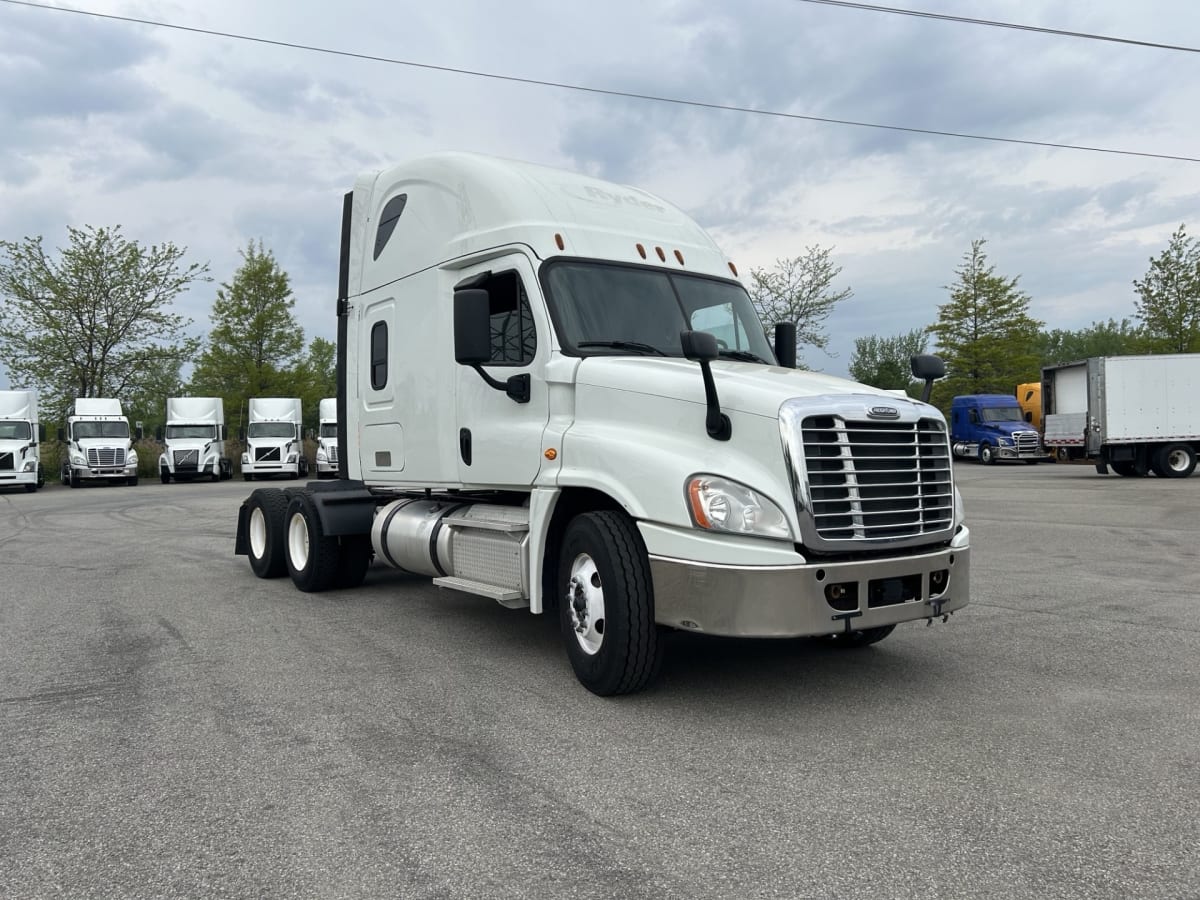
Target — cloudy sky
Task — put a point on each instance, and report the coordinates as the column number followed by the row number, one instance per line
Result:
column 210, row 142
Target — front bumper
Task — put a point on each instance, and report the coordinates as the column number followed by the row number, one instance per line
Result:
column 1013, row 453
column 106, row 473
column 270, row 468
column 8, row 477
column 791, row 600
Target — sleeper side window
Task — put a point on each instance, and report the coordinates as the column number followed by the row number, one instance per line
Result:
column 379, row 355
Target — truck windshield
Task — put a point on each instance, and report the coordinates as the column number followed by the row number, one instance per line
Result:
column 329, row 429
column 100, row 430
column 1002, row 414
column 199, row 432
column 612, row 309
column 15, row 431
column 272, row 430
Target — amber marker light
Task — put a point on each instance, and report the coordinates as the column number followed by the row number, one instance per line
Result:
column 641, row 251
column 559, row 242
column 679, row 256
column 661, row 253
column 695, row 486
column 551, row 454
column 733, row 269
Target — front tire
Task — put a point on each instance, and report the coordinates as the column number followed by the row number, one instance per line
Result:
column 312, row 557
column 164, row 476
column 606, row 604
column 264, row 532
column 1125, row 468
column 987, row 455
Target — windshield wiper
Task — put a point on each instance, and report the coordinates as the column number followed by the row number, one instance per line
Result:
column 623, row 345
column 740, row 355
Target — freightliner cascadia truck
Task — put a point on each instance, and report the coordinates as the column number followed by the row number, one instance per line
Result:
column 554, row 392
column 21, row 436
column 327, row 455
column 99, row 446
column 194, row 440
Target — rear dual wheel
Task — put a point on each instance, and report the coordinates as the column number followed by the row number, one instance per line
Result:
column 317, row 561
column 1174, row 461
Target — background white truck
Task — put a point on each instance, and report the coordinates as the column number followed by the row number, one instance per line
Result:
column 21, row 436
column 99, row 446
column 327, row 448
column 1133, row 414
column 554, row 392
column 274, row 440
column 194, row 440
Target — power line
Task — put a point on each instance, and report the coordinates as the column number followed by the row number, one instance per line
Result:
column 969, row 21
column 607, row 92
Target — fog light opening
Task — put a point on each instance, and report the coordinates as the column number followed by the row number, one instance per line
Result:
column 938, row 580
column 842, row 596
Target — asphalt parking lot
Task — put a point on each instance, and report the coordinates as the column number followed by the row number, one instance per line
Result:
column 172, row 726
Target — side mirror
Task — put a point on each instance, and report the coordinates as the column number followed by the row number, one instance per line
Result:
column 158, row 434
column 224, row 434
column 472, row 327
column 62, row 436
column 41, row 432
column 785, row 344
column 138, row 432
column 928, row 369
column 698, row 345
column 242, row 435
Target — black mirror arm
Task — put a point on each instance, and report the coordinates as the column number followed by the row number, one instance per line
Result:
column 715, row 422
column 516, row 386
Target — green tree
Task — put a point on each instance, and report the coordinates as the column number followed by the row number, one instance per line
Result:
column 985, row 333
column 95, row 322
column 1168, row 301
column 1111, row 338
column 799, row 289
column 255, row 341
column 884, row 362
column 316, row 378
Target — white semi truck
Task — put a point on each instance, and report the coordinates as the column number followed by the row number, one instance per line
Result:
column 327, row 448
column 274, row 440
column 99, row 446
column 554, row 392
column 1133, row 414
column 21, row 436
column 194, row 440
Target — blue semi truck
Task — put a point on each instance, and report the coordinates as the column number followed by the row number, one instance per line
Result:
column 988, row 427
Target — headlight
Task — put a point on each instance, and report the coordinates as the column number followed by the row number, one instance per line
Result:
column 291, row 458
column 78, row 459
column 30, row 465
column 960, row 511
column 718, row 504
column 321, row 457
column 245, row 459
column 1004, row 441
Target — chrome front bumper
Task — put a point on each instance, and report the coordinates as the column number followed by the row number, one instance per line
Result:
column 790, row 601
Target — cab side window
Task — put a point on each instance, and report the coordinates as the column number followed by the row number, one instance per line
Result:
column 379, row 355
column 514, row 338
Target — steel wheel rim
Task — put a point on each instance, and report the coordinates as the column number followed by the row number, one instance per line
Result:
column 258, row 532
column 1177, row 460
column 585, row 603
column 298, row 542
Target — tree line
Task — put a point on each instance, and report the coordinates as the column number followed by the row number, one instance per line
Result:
column 96, row 321
column 984, row 331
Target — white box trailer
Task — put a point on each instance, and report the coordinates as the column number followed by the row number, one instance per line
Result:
column 327, row 447
column 274, row 439
column 21, row 436
column 554, row 391
column 99, row 446
column 1133, row 414
column 194, row 440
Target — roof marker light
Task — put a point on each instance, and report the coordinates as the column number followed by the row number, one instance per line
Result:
column 679, row 256
column 661, row 254
column 558, row 239
column 641, row 251
column 733, row 269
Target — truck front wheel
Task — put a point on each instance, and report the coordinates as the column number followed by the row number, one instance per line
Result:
column 312, row 557
column 987, row 455
column 264, row 531
column 1174, row 461
column 606, row 604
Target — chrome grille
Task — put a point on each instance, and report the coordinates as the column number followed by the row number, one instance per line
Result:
column 1026, row 442
column 8, row 461
column 877, row 481
column 187, row 459
column 333, row 456
column 105, row 457
column 267, row 454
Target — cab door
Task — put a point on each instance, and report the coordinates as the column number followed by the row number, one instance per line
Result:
column 499, row 440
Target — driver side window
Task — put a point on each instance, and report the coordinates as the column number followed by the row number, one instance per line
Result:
column 514, row 337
